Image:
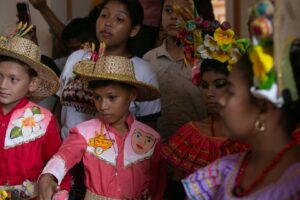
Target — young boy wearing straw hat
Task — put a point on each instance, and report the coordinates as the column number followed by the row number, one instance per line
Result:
column 120, row 154
column 29, row 133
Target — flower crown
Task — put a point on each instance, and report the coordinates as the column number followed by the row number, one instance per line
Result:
column 203, row 39
column 262, row 51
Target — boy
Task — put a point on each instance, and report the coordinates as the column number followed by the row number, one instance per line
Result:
column 120, row 155
column 29, row 133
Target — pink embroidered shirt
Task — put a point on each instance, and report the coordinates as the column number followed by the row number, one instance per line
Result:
column 28, row 137
column 120, row 167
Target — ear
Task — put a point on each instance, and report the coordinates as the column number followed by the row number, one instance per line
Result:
column 135, row 30
column 34, row 84
column 133, row 94
column 266, row 109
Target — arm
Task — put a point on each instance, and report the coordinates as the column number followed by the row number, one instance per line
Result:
column 158, row 175
column 70, row 153
column 54, row 23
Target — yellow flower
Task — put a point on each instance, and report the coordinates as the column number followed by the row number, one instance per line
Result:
column 262, row 62
column 223, row 37
column 3, row 195
column 221, row 56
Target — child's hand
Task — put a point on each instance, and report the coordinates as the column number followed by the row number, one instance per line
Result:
column 47, row 186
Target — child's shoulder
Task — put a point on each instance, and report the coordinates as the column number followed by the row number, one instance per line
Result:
column 37, row 109
column 89, row 123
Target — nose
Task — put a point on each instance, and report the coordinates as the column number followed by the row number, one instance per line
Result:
column 211, row 92
column 3, row 83
column 222, row 99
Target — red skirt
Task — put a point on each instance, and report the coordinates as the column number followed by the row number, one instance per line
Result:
column 190, row 149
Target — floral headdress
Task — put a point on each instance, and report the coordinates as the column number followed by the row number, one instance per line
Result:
column 203, row 39
column 271, row 63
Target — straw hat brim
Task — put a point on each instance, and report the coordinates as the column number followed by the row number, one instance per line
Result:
column 145, row 92
column 49, row 82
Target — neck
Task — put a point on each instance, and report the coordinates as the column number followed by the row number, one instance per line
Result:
column 117, row 51
column 176, row 52
column 121, row 125
column 264, row 151
column 7, row 108
column 217, row 124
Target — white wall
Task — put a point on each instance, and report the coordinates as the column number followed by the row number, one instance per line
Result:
column 8, row 18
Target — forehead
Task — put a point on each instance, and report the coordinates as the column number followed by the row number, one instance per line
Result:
column 116, row 6
column 112, row 88
column 212, row 75
column 185, row 3
column 12, row 67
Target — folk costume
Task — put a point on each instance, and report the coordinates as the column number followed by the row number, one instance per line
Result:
column 29, row 133
column 115, row 167
column 273, row 80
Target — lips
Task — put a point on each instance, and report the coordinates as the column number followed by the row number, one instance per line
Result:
column 139, row 147
column 2, row 94
column 106, row 34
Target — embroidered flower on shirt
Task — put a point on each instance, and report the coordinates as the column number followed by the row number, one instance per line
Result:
column 100, row 143
column 27, row 124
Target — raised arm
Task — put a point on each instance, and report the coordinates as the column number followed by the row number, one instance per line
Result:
column 56, row 26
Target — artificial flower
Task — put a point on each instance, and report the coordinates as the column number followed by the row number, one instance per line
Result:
column 224, row 37
column 210, row 43
column 262, row 62
column 221, row 56
column 204, row 52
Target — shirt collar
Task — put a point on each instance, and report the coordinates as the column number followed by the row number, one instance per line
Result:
column 22, row 102
column 162, row 51
column 129, row 122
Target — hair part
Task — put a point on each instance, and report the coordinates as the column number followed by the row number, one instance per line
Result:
column 31, row 72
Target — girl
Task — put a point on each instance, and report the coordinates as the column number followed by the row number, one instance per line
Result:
column 263, row 117
column 120, row 155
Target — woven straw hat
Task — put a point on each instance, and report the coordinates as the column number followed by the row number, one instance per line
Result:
column 116, row 68
column 28, row 52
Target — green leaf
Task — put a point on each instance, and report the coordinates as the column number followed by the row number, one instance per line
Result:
column 15, row 132
column 36, row 110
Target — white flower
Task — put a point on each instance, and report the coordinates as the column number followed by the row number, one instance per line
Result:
column 204, row 52
column 29, row 123
column 210, row 43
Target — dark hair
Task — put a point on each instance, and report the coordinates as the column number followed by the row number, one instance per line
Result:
column 104, row 83
column 82, row 29
column 31, row 72
column 134, row 8
column 290, row 109
column 215, row 66
column 136, row 13
column 203, row 7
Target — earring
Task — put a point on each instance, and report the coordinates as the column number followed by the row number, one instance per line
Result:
column 260, row 126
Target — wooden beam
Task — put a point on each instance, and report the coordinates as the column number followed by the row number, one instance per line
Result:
column 237, row 17
column 69, row 9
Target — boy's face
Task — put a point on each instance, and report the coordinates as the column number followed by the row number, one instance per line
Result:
column 112, row 102
column 15, row 83
column 170, row 18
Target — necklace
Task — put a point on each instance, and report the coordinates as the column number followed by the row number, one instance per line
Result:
column 238, row 190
